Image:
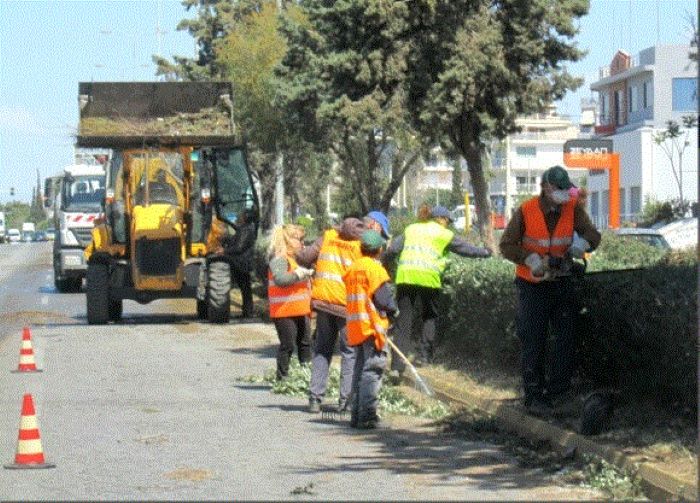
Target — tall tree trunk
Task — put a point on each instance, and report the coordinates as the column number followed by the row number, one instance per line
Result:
column 472, row 154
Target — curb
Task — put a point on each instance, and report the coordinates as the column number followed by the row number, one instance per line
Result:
column 656, row 483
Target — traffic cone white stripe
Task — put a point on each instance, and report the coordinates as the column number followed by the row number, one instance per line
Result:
column 26, row 359
column 29, row 446
column 28, row 423
column 26, row 344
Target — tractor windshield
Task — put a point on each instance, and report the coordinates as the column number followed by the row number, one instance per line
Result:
column 159, row 178
column 83, row 193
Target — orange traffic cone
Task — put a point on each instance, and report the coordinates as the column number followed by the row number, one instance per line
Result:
column 29, row 451
column 26, row 354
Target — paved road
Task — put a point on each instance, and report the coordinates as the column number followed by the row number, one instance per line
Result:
column 152, row 408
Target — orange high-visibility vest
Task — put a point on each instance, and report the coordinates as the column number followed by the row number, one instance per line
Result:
column 363, row 278
column 291, row 300
column 537, row 238
column 334, row 259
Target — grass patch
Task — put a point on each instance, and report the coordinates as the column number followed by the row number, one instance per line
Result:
column 391, row 399
column 472, row 424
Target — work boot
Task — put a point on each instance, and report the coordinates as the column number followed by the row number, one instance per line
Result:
column 343, row 405
column 314, row 405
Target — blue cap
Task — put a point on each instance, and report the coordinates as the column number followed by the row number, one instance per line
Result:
column 441, row 211
column 381, row 219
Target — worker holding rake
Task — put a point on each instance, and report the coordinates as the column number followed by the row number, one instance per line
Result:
column 370, row 302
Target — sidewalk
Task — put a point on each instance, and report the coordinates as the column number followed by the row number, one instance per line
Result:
column 658, row 484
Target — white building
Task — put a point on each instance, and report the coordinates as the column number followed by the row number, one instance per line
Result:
column 519, row 161
column 636, row 96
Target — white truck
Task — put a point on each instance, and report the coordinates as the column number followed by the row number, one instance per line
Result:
column 77, row 203
column 28, row 231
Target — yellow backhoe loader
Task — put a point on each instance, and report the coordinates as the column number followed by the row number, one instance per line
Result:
column 177, row 176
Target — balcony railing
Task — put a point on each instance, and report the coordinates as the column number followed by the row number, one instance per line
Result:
column 604, row 71
column 550, row 135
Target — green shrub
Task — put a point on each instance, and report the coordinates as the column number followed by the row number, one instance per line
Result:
column 637, row 329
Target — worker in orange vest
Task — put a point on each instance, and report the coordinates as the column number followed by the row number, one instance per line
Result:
column 370, row 302
column 289, row 295
column 332, row 254
column 544, row 233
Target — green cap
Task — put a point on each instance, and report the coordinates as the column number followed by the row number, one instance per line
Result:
column 557, row 176
column 372, row 241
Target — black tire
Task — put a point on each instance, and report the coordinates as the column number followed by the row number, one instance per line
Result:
column 62, row 284
column 218, row 292
column 75, row 284
column 97, row 294
column 116, row 307
column 201, row 309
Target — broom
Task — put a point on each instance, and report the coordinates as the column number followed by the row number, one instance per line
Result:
column 420, row 382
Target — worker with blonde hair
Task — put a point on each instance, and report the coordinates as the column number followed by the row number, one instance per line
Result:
column 289, row 295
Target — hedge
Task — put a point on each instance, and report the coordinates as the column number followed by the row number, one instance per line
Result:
column 637, row 328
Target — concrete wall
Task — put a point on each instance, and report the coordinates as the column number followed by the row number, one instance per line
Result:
column 671, row 61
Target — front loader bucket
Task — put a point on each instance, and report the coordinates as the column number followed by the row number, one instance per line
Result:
column 134, row 114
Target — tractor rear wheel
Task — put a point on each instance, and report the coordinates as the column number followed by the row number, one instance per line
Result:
column 218, row 292
column 97, row 294
column 116, row 307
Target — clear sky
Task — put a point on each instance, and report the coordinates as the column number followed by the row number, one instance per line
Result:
column 47, row 47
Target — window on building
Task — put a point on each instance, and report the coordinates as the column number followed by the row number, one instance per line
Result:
column 684, row 95
column 647, row 94
column 635, row 200
column 605, row 108
column 605, row 203
column 619, row 98
column 526, row 151
column 633, row 99
column 595, row 205
column 623, row 202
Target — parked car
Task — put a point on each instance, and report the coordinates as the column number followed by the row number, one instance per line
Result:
column 27, row 236
column 681, row 233
column 14, row 236
column 51, row 233
column 40, row 236
column 459, row 216
column 646, row 235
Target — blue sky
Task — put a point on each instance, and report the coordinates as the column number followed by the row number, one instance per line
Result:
column 47, row 47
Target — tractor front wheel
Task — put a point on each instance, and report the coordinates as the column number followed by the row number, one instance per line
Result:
column 218, row 292
column 97, row 294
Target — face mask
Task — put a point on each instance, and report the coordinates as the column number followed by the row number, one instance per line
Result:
column 560, row 196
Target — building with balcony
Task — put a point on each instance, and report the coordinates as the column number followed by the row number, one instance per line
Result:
column 637, row 95
column 519, row 161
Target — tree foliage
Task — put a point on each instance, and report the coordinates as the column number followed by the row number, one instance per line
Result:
column 341, row 81
column 478, row 64
column 673, row 141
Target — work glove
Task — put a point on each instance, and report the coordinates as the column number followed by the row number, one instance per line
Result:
column 536, row 265
column 579, row 247
column 303, row 272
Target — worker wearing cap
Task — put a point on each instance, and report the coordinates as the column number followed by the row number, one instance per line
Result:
column 422, row 251
column 370, row 302
column 539, row 237
column 332, row 254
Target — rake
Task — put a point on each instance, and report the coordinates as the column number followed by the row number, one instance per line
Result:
column 420, row 382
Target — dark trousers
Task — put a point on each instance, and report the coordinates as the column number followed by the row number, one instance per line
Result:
column 366, row 381
column 410, row 299
column 291, row 331
column 242, row 279
column 541, row 305
column 329, row 329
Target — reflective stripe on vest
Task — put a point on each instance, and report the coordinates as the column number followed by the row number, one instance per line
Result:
column 334, row 259
column 537, row 238
column 291, row 300
column 362, row 280
column 422, row 259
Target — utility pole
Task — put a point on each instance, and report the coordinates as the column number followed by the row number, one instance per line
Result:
column 279, row 171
